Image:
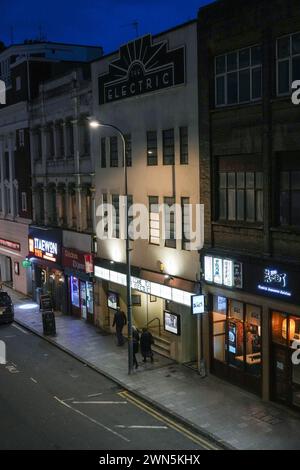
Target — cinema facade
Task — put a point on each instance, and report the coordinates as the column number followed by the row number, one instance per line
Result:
column 148, row 89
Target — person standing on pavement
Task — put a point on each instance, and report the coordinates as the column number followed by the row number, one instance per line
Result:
column 146, row 342
column 120, row 321
column 136, row 342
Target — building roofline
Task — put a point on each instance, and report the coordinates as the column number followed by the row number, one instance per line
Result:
column 156, row 35
column 39, row 43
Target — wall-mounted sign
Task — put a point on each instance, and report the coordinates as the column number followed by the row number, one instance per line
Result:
column 223, row 271
column 26, row 264
column 113, row 300
column 228, row 273
column 218, row 271
column 198, row 304
column 172, row 323
column 77, row 260
column 232, row 338
column 275, row 282
column 147, row 287
column 9, row 244
column 45, row 244
column 143, row 66
column 238, row 275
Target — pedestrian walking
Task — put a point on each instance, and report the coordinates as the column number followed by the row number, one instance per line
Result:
column 135, row 344
column 146, row 342
column 119, row 322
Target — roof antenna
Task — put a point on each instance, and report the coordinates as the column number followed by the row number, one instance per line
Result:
column 134, row 25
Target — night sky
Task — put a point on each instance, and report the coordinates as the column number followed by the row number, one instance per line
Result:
column 98, row 22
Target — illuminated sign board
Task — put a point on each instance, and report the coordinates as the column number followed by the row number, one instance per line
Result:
column 198, row 304
column 275, row 282
column 172, row 323
column 146, row 287
column 224, row 272
column 45, row 244
column 9, row 244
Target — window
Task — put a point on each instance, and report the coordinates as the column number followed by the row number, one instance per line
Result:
column 103, row 152
column 240, row 191
column 186, row 221
column 21, row 138
column 128, row 155
column 168, row 147
column 114, row 157
column 288, row 62
column 290, row 198
column 61, row 139
column 51, row 142
column 70, row 139
column 151, row 148
column 18, row 83
column 184, row 145
column 85, row 144
column 237, row 335
column 24, row 202
column 238, row 76
column 116, row 224
column 170, row 221
column 154, row 228
column 105, row 213
column 38, row 140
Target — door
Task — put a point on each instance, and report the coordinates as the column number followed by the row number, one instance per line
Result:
column 281, row 374
column 83, row 307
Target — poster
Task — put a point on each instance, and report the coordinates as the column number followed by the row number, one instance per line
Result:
column 232, row 337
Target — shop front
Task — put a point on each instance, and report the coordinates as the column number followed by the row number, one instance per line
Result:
column 78, row 270
column 254, row 325
column 13, row 251
column 45, row 247
column 159, row 304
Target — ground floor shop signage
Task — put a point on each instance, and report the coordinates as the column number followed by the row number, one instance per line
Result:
column 223, row 272
column 45, row 244
column 9, row 244
column 146, row 287
column 274, row 281
column 77, row 260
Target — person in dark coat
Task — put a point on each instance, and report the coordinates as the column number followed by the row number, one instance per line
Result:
column 120, row 321
column 146, row 342
column 135, row 343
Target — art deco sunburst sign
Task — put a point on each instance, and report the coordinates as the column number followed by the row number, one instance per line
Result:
column 142, row 67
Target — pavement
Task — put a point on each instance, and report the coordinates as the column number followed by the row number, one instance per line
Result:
column 216, row 409
column 51, row 401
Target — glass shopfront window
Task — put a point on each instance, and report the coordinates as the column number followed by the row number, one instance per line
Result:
column 236, row 331
column 286, row 371
column 75, row 292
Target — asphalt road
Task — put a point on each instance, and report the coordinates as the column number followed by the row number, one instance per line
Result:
column 49, row 400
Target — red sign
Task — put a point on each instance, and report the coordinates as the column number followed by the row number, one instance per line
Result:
column 12, row 245
column 78, row 260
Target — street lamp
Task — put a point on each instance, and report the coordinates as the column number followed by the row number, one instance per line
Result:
column 94, row 124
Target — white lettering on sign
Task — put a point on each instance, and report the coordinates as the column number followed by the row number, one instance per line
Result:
column 46, row 246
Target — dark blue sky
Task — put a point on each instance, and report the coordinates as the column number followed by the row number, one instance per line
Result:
column 97, row 22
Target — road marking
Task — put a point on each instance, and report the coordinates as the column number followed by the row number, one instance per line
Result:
column 95, row 395
column 92, row 420
column 99, row 402
column 20, row 329
column 121, row 426
column 33, row 380
column 12, row 369
column 172, row 424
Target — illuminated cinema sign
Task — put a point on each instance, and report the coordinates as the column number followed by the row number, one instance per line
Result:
column 142, row 67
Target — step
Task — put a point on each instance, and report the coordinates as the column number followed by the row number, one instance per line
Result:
column 162, row 352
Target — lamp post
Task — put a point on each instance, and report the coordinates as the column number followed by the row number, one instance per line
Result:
column 94, row 124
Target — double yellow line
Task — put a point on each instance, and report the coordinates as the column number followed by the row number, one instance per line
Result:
column 201, row 441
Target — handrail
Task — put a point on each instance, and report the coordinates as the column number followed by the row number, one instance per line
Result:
column 159, row 324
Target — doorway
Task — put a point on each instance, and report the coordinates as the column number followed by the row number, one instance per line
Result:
column 285, row 373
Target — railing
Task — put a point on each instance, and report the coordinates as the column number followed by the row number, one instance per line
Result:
column 159, row 324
